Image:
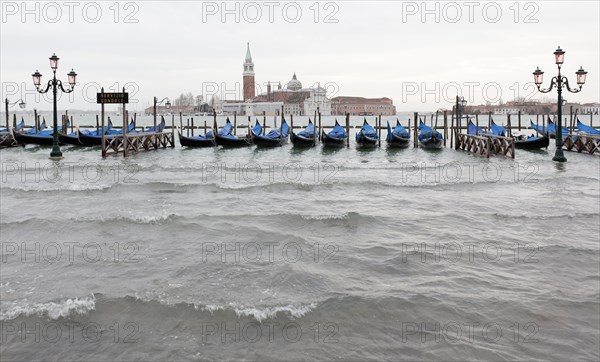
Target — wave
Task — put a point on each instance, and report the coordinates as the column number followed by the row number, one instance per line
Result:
column 96, row 302
column 52, row 310
column 570, row 216
column 261, row 313
column 173, row 218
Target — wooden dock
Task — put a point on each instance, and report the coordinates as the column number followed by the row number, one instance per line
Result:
column 582, row 143
column 136, row 142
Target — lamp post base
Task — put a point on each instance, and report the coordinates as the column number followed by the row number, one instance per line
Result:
column 559, row 156
column 55, row 154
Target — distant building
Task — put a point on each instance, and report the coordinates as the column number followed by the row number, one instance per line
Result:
column 359, row 106
column 297, row 100
column 514, row 107
column 253, row 109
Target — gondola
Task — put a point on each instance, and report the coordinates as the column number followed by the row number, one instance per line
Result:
column 226, row 138
column 159, row 128
column 398, row 137
column 429, row 138
column 586, row 129
column 18, row 128
column 367, row 136
column 206, row 140
column 276, row 137
column 498, row 130
column 73, row 137
column 94, row 138
column 540, row 129
column 522, row 142
column 42, row 137
column 552, row 129
column 305, row 138
column 337, row 137
column 473, row 129
column 532, row 142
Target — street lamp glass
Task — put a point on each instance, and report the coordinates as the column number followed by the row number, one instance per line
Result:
column 168, row 105
column 37, row 78
column 581, row 76
column 559, row 55
column 22, row 104
column 72, row 78
column 538, row 77
column 54, row 62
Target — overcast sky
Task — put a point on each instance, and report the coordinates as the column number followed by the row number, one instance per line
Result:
column 483, row 50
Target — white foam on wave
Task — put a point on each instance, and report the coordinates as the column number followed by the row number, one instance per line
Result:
column 46, row 187
column 261, row 313
column 138, row 219
column 53, row 310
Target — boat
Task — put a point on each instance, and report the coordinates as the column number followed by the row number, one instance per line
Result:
column 276, row 137
column 584, row 128
column 429, row 138
column 18, row 128
column 226, row 138
column 474, row 130
column 73, row 137
column 206, row 140
column 42, row 137
column 498, row 130
column 337, row 137
column 552, row 128
column 94, row 138
column 398, row 137
column 306, row 137
column 367, row 136
column 540, row 129
column 159, row 127
column 532, row 142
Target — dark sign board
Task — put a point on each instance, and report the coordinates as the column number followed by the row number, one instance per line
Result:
column 117, row 98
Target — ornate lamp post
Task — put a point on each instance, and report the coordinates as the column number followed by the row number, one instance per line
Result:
column 157, row 103
column 8, row 104
column 559, row 82
column 55, row 84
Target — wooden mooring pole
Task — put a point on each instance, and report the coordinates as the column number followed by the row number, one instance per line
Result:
column 235, row 122
column 415, row 130
column 445, row 126
column 347, row 129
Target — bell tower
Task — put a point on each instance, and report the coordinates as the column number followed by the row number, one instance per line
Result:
column 248, row 74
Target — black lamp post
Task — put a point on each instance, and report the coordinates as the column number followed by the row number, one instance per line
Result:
column 559, row 82
column 156, row 103
column 55, row 84
column 8, row 104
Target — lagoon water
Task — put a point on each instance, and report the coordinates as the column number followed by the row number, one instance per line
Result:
column 287, row 254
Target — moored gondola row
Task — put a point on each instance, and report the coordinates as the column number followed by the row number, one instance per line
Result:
column 367, row 136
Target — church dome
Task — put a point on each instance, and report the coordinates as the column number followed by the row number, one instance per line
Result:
column 294, row 84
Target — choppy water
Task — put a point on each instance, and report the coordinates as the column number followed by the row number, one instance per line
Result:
column 254, row 254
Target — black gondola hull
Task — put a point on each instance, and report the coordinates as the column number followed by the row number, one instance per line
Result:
column 536, row 144
column 332, row 142
column 432, row 144
column 363, row 141
column 191, row 142
column 69, row 140
column 301, row 141
column 231, row 142
column 269, row 142
column 399, row 142
column 45, row 140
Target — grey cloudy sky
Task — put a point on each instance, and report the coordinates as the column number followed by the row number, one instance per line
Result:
column 419, row 54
